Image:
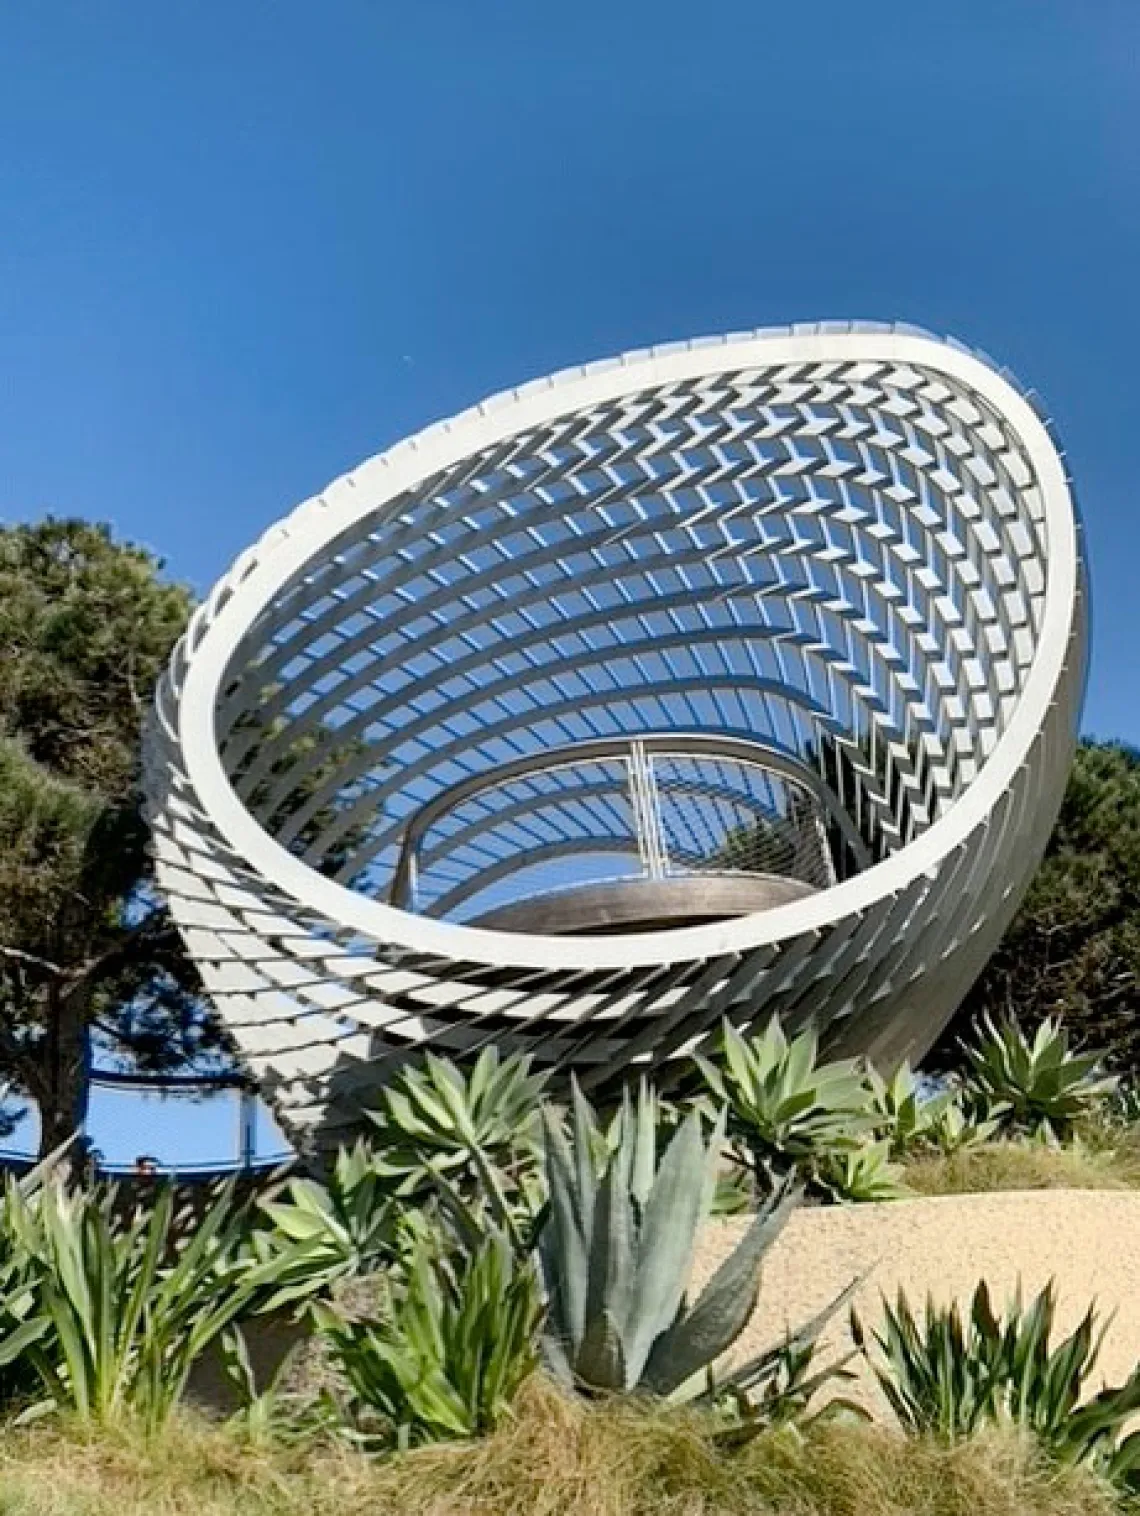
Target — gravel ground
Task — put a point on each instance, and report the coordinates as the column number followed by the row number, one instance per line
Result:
column 1087, row 1240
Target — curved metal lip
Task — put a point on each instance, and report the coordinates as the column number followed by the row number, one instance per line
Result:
column 618, row 905
column 703, row 744
column 258, row 574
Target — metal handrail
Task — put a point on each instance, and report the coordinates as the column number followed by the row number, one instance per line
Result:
column 630, row 749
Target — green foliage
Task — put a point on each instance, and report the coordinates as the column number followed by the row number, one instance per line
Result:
column 349, row 1222
column 86, row 625
column 950, row 1375
column 788, row 1108
column 449, row 1356
column 906, row 1114
column 866, row 1174
column 124, row 1306
column 941, row 1374
column 1039, row 1085
column 959, row 1127
column 21, row 1324
column 478, row 1127
column 777, row 1388
column 1073, row 950
column 617, row 1249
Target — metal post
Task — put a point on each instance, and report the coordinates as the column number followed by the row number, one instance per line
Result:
column 247, row 1116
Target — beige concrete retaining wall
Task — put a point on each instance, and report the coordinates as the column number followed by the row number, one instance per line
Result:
column 1087, row 1240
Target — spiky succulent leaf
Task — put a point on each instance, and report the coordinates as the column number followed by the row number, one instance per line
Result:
column 617, row 1248
column 786, row 1105
column 1040, row 1084
column 436, row 1116
column 701, row 1333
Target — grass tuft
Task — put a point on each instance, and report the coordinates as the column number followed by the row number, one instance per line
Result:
column 1024, row 1166
column 556, row 1458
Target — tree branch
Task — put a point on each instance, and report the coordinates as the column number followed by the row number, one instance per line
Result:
column 18, row 955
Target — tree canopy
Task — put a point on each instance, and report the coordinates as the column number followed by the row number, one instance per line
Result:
column 1073, row 949
column 86, row 625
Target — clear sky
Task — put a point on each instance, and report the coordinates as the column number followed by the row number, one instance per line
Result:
column 246, row 243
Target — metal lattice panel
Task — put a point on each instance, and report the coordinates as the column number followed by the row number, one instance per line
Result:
column 852, row 548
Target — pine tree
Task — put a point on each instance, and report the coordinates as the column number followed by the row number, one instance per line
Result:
column 86, row 625
column 1073, row 949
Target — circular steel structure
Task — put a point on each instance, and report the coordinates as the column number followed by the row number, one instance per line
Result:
column 729, row 677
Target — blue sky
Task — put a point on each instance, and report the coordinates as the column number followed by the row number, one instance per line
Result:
column 243, row 245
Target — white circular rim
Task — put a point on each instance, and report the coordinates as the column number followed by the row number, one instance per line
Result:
column 262, row 572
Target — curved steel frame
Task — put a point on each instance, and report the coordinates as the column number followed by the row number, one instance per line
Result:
column 856, row 544
column 666, row 743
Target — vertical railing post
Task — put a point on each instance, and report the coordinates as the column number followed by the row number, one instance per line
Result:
column 247, row 1117
column 646, row 812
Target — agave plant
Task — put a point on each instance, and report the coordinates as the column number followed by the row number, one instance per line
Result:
column 964, row 1125
column 788, row 1107
column 1041, row 1085
column 906, row 1108
column 866, row 1174
column 350, row 1224
column 129, row 1305
column 617, row 1248
column 947, row 1374
column 779, row 1386
column 477, row 1126
column 449, row 1356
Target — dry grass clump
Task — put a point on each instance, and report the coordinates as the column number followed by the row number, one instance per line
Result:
column 1024, row 1166
column 558, row 1458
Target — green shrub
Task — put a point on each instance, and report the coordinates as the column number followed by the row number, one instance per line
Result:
column 963, row 1124
column 477, row 1126
column 21, row 1323
column 950, row 1375
column 1038, row 1083
column 128, row 1305
column 449, row 1355
column 350, row 1223
column 788, row 1108
column 906, row 1114
column 866, row 1174
column 617, row 1248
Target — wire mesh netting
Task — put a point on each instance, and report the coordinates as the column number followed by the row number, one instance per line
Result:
column 588, row 821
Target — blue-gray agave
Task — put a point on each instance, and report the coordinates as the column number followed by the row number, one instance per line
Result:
column 617, row 1248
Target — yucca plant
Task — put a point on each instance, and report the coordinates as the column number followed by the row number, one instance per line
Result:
column 476, row 1125
column 1040, row 1084
column 941, row 1374
column 131, row 1304
column 448, row 1357
column 949, row 1375
column 617, row 1248
column 787, row 1107
column 21, row 1323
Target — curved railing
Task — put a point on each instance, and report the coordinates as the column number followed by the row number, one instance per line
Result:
column 668, row 805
